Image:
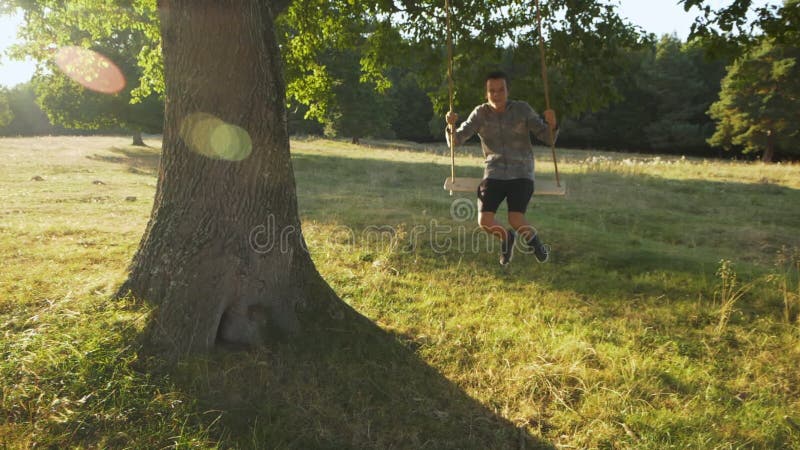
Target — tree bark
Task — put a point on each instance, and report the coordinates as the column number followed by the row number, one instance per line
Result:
column 137, row 139
column 769, row 152
column 223, row 257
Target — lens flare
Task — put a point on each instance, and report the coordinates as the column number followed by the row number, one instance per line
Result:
column 90, row 69
column 212, row 137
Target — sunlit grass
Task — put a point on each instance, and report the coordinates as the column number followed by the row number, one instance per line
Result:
column 616, row 343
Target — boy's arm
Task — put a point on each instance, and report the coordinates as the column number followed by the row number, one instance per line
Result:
column 467, row 129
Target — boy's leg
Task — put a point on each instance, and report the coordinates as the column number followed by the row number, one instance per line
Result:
column 529, row 236
column 519, row 195
column 489, row 224
column 518, row 199
column 508, row 237
column 490, row 194
column 521, row 225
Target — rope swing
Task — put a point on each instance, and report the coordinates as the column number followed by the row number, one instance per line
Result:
column 450, row 129
column 546, row 89
column 461, row 184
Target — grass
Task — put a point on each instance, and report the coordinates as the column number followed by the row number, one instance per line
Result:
column 616, row 343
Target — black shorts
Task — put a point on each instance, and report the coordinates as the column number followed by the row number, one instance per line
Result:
column 516, row 192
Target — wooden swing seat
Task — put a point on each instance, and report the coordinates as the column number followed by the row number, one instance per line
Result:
column 541, row 186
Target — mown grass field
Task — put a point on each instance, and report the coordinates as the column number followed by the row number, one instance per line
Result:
column 667, row 317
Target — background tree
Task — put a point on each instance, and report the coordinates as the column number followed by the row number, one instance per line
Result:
column 5, row 109
column 759, row 102
column 51, row 25
column 411, row 105
column 620, row 124
column 356, row 107
column 70, row 105
column 684, row 84
column 729, row 30
column 28, row 118
column 331, row 53
column 298, row 121
column 665, row 89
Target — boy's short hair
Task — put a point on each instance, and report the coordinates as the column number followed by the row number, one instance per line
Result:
column 496, row 75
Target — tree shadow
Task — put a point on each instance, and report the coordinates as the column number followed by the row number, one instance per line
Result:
column 345, row 384
column 140, row 160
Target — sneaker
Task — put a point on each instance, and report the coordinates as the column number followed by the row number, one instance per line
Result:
column 508, row 248
column 542, row 251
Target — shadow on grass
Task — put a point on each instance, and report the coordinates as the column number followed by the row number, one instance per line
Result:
column 141, row 160
column 614, row 235
column 346, row 384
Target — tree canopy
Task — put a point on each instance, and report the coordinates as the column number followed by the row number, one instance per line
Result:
column 343, row 60
column 584, row 39
column 728, row 29
column 759, row 102
column 117, row 30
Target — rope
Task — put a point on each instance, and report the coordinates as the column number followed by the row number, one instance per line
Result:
column 450, row 128
column 546, row 88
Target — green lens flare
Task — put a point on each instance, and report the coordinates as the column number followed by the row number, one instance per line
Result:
column 210, row 136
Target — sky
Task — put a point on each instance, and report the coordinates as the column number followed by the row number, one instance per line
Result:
column 654, row 16
column 658, row 16
column 12, row 72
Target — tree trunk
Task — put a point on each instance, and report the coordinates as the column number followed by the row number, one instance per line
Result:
column 137, row 139
column 769, row 152
column 223, row 257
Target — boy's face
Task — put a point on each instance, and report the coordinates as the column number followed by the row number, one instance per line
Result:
column 497, row 93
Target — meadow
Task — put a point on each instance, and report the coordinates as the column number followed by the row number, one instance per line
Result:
column 668, row 316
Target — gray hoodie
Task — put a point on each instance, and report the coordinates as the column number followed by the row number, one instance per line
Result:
column 505, row 138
